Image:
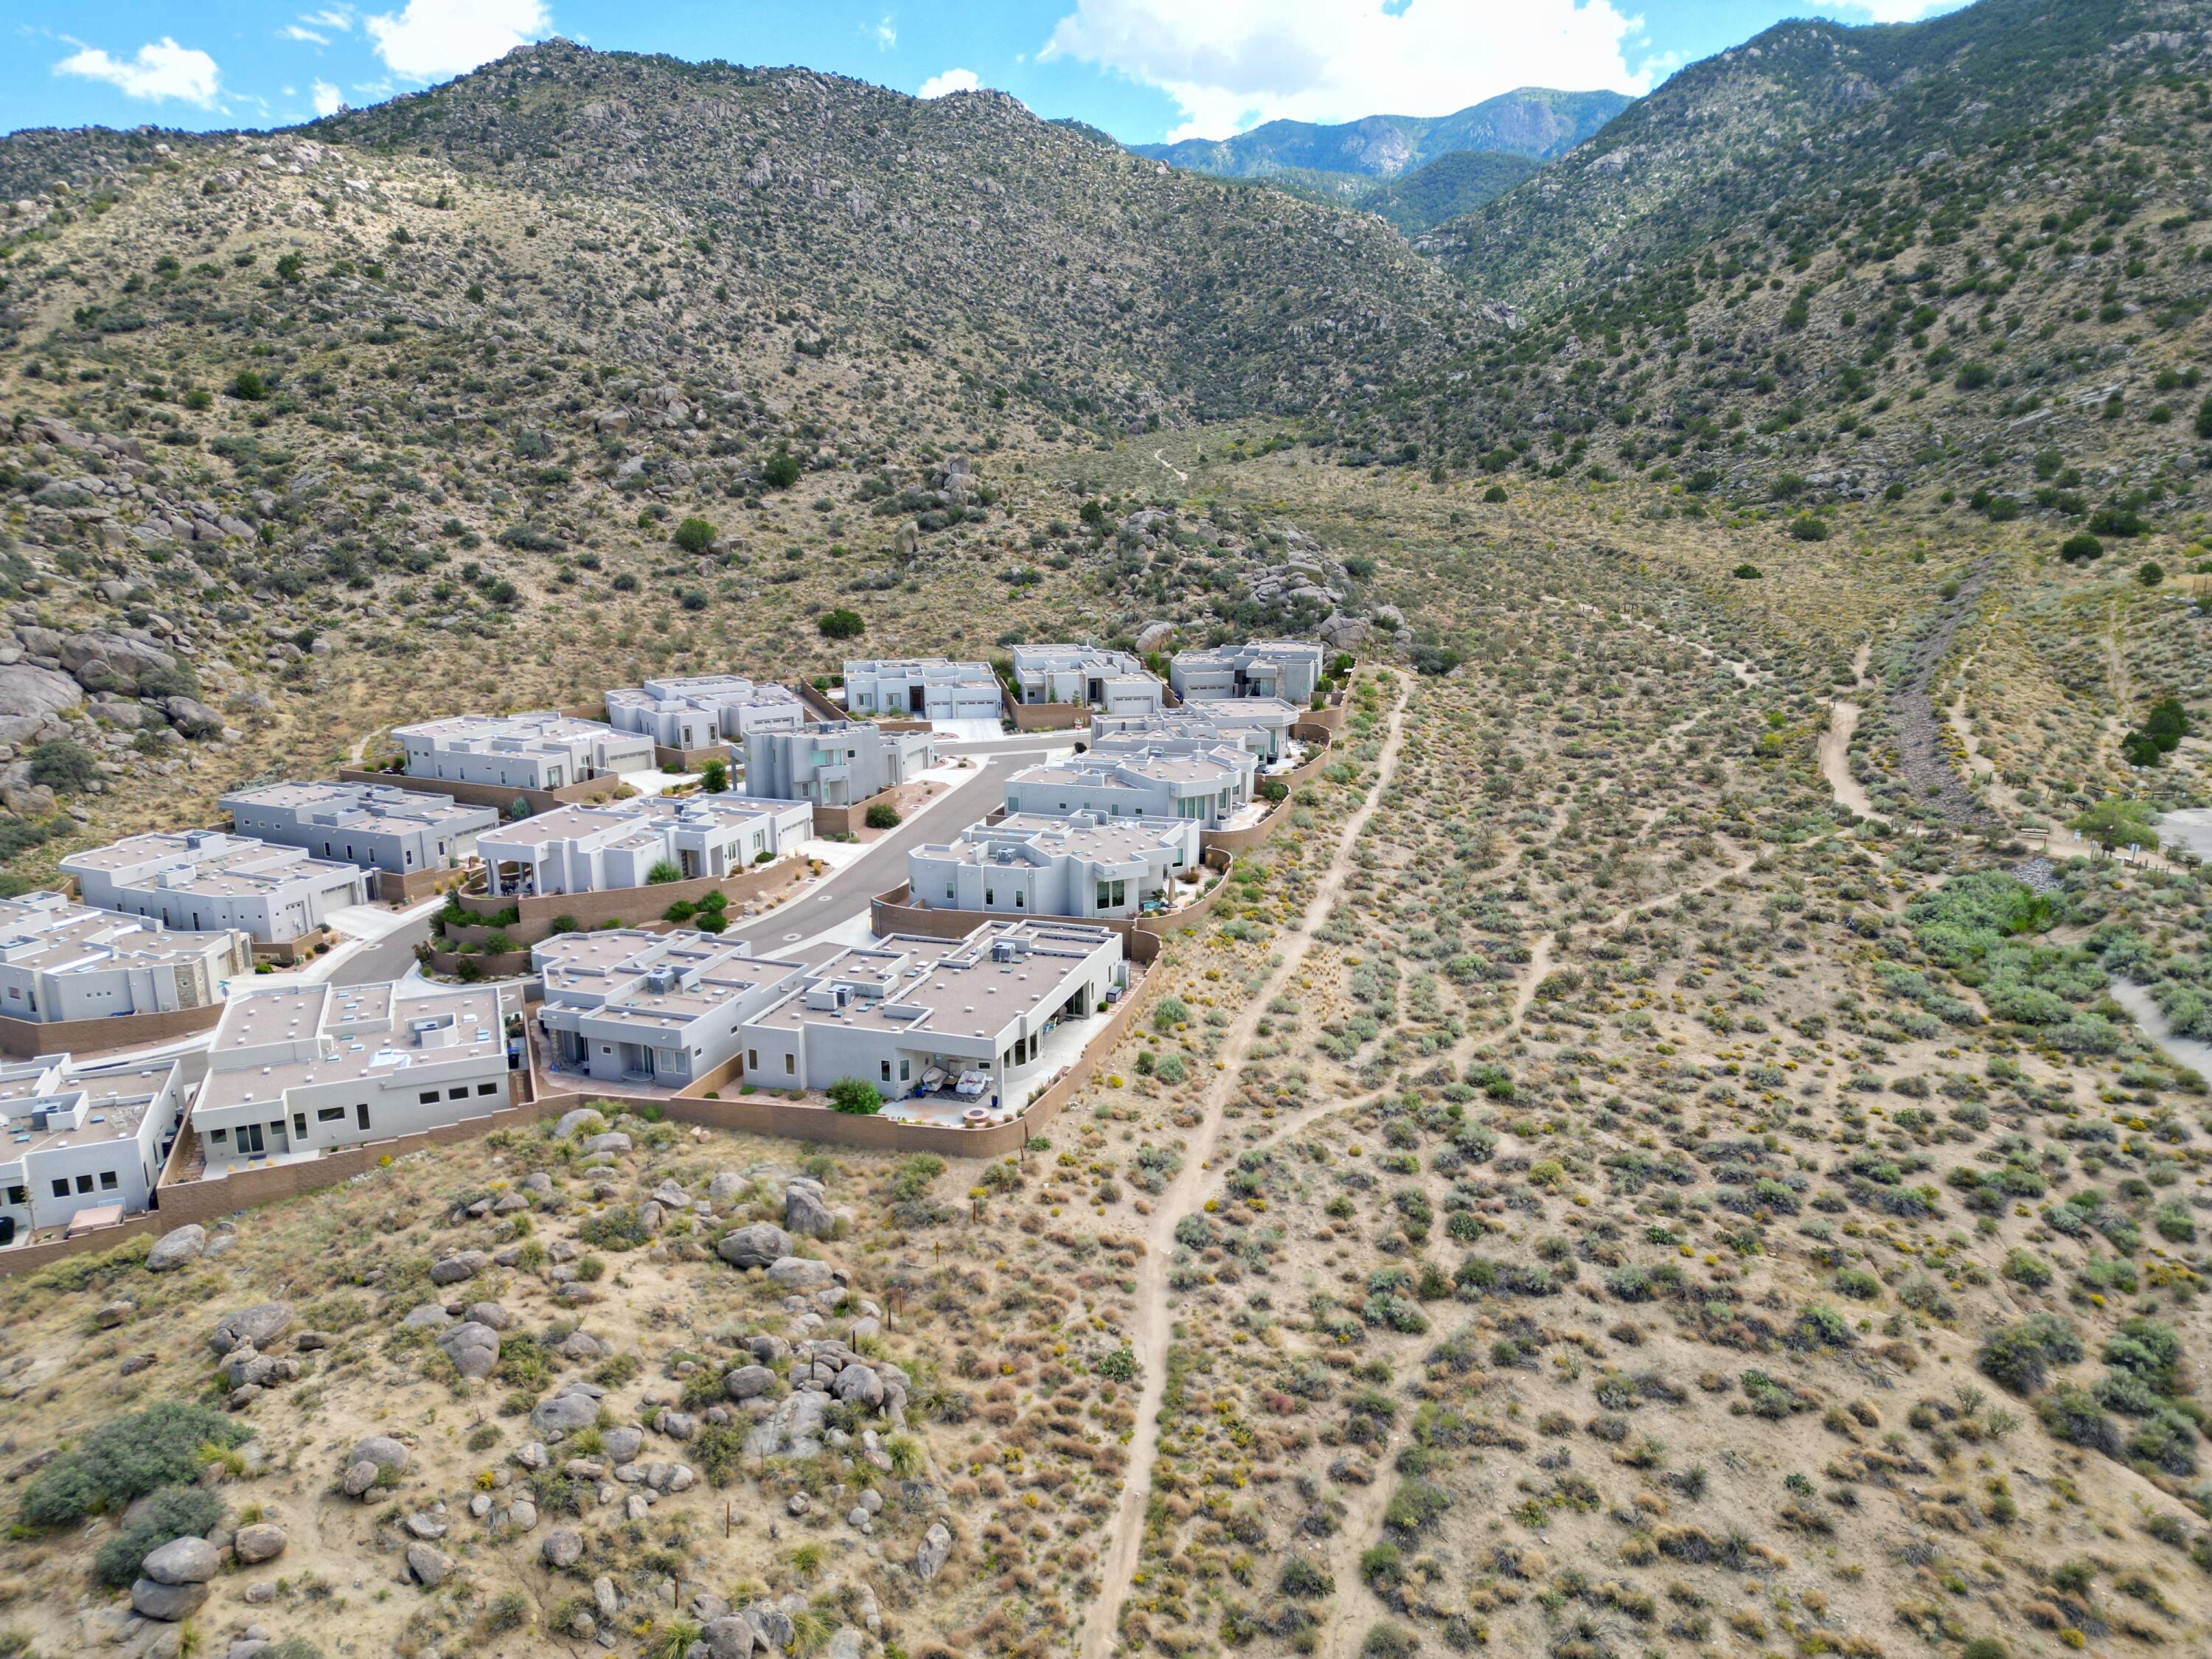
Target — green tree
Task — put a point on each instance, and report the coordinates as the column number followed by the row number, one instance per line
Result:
column 248, row 386
column 694, row 535
column 63, row 766
column 2118, row 822
column 2204, row 416
column 290, row 267
column 855, row 1097
column 714, row 777
column 841, row 625
column 781, row 469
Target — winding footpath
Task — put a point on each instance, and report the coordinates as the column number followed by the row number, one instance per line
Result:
column 1149, row 1338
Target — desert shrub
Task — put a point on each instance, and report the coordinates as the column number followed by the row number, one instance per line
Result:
column 2072, row 1414
column 1388, row 1641
column 1302, row 1578
column 169, row 1512
column 127, row 1457
column 694, row 535
column 840, row 624
column 2018, row 1356
column 883, row 816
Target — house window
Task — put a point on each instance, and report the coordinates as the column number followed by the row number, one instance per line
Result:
column 487, row 1088
column 109, row 1183
column 218, row 1135
column 906, row 1071
column 330, row 1115
column 791, row 1064
column 949, row 894
column 19, row 1195
column 61, row 1189
column 298, row 1123
column 361, row 1115
column 461, row 1093
column 84, row 1183
column 752, row 1060
column 886, row 1065
column 427, row 1098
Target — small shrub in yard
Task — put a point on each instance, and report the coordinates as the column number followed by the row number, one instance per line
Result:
column 855, row 1097
column 128, row 1457
column 883, row 816
column 169, row 1512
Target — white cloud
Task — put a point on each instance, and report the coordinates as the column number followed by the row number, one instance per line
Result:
column 328, row 99
column 294, row 32
column 340, row 20
column 954, row 80
column 886, row 34
column 1898, row 11
column 162, row 70
column 435, row 38
column 1231, row 63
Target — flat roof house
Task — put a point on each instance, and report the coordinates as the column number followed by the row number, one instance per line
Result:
column 60, row 960
column 1141, row 776
column 925, row 688
column 1289, row 669
column 1112, row 681
column 1081, row 865
column 592, row 849
column 204, row 879
column 377, row 826
column 624, row 1006
column 82, row 1137
column 1261, row 725
column 834, row 762
column 537, row 751
column 906, row 1011
column 700, row 710
column 301, row 1070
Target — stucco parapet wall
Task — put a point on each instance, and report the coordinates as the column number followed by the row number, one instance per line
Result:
column 486, row 794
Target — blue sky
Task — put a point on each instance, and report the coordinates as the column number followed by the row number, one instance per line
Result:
column 1143, row 69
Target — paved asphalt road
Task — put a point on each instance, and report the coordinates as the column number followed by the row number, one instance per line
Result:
column 843, row 895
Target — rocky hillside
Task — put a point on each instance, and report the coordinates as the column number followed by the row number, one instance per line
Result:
column 1962, row 262
column 1533, row 122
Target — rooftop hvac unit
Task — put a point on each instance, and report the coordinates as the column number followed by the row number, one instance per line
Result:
column 660, row 980
column 1008, row 950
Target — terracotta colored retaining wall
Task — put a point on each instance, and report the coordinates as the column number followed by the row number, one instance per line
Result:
column 1044, row 716
column 851, row 820
column 393, row 887
column 690, row 760
column 817, row 702
column 291, row 951
column 28, row 1038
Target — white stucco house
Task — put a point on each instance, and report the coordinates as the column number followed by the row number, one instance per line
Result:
column 1289, row 669
column 922, row 688
column 1261, row 725
column 593, row 849
column 204, row 880
column 541, row 750
column 377, row 826
column 77, row 1137
column 1111, row 681
column 298, row 1071
column 60, row 960
column 1080, row 864
column 624, row 1006
column 906, row 1014
column 1141, row 776
column 834, row 762
column 698, row 711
